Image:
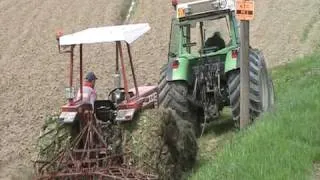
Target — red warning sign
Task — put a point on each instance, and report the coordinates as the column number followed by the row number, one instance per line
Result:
column 245, row 10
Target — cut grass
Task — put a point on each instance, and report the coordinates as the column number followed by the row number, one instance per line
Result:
column 216, row 134
column 309, row 27
column 283, row 144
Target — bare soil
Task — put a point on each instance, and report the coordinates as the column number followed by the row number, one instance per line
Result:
column 283, row 29
column 33, row 74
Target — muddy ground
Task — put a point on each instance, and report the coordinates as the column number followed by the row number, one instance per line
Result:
column 33, row 74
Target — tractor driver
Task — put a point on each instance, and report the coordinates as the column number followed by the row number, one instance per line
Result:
column 215, row 41
column 89, row 94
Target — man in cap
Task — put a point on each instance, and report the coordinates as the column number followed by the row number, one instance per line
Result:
column 89, row 94
column 215, row 41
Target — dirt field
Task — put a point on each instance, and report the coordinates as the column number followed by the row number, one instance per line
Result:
column 286, row 29
column 33, row 73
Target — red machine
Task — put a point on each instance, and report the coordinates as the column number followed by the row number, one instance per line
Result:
column 89, row 155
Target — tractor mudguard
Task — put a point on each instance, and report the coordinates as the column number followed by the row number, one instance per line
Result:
column 178, row 69
column 231, row 63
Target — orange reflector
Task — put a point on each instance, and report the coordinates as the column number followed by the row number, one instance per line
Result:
column 175, row 64
column 234, row 54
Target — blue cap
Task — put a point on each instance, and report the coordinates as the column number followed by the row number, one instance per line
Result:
column 91, row 76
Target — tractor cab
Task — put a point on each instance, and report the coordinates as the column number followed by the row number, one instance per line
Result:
column 204, row 28
column 122, row 102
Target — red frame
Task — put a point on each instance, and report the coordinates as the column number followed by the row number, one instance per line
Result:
column 136, row 102
column 82, row 158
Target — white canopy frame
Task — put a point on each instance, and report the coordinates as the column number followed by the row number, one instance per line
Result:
column 127, row 33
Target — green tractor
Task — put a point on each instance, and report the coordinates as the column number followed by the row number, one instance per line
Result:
column 202, row 75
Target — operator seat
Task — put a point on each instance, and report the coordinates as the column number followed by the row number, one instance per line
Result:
column 105, row 110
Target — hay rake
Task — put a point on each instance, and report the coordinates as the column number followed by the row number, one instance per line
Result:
column 88, row 157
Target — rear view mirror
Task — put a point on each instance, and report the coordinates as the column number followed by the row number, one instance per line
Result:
column 70, row 93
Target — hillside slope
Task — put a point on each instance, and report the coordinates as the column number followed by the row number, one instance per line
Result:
column 33, row 74
column 285, row 29
column 281, row 145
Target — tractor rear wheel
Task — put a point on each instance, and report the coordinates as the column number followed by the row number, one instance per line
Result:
column 173, row 95
column 261, row 92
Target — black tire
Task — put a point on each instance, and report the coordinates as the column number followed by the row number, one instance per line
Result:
column 173, row 95
column 261, row 93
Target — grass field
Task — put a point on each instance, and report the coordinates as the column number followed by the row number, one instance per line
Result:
column 284, row 144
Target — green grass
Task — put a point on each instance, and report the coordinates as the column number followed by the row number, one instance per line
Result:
column 282, row 144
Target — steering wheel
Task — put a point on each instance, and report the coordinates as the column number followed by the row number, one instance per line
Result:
column 117, row 100
column 111, row 92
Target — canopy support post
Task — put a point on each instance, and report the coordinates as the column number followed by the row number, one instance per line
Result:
column 71, row 70
column 132, row 69
column 123, row 70
column 81, row 73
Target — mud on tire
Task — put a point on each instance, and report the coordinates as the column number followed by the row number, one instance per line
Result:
column 261, row 93
column 173, row 95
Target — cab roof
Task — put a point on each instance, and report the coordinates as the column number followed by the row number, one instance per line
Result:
column 200, row 8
